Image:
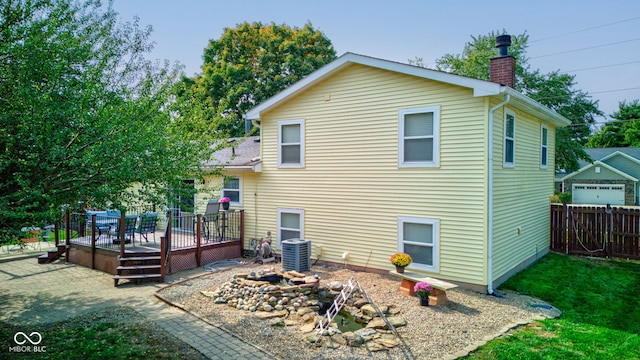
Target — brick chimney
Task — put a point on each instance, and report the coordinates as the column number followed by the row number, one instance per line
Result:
column 503, row 67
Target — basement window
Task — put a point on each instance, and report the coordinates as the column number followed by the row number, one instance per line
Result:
column 418, row 237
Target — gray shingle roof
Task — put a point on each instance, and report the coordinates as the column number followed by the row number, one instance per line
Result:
column 244, row 152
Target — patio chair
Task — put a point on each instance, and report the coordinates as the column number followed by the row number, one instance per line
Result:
column 148, row 222
column 211, row 216
column 129, row 229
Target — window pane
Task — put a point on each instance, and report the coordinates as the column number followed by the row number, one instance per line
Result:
column 420, row 254
column 509, row 125
column 508, row 151
column 232, row 183
column 544, row 156
column 289, row 234
column 422, row 233
column 290, row 221
column 418, row 150
column 418, row 124
column 234, row 196
column 291, row 133
column 544, row 137
column 291, row 154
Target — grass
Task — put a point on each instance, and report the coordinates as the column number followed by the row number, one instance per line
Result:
column 114, row 333
column 600, row 305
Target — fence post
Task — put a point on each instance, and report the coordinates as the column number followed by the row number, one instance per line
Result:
column 198, row 239
column 567, row 231
column 93, row 241
column 168, row 230
column 67, row 234
column 609, row 230
column 121, row 233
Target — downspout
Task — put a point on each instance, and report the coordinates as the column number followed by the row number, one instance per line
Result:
column 490, row 196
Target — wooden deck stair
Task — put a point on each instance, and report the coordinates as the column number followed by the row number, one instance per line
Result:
column 137, row 267
column 52, row 255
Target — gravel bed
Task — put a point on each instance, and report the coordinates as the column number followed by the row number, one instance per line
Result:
column 445, row 331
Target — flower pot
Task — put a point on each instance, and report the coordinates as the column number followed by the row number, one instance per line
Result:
column 399, row 269
column 225, row 206
column 424, row 301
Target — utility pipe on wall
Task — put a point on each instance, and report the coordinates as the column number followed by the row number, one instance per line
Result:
column 490, row 196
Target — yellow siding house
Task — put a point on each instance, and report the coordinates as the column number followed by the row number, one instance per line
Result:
column 366, row 157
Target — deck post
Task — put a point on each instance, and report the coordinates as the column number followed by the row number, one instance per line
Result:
column 198, row 239
column 168, row 240
column 242, row 228
column 67, row 234
column 93, row 241
column 121, row 233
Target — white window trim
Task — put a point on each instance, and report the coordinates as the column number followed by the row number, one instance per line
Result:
column 436, row 241
column 222, row 189
column 436, row 136
column 282, row 123
column 505, row 138
column 290, row 211
column 544, row 127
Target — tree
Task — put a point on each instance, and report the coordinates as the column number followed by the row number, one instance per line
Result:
column 247, row 65
column 554, row 90
column 83, row 114
column 623, row 131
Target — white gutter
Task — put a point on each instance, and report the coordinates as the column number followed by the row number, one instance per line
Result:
column 490, row 196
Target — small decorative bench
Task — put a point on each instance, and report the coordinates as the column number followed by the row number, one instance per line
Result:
column 438, row 295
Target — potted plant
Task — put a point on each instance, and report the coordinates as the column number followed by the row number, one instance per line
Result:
column 225, row 203
column 400, row 260
column 423, row 290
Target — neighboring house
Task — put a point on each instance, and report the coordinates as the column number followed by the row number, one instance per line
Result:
column 612, row 178
column 366, row 157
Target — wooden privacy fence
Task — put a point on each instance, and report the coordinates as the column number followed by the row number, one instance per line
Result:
column 600, row 231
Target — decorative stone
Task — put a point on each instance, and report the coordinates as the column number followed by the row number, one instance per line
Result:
column 365, row 332
column 307, row 328
column 369, row 310
column 377, row 323
column 388, row 343
column 353, row 339
column 270, row 315
column 397, row 321
column 303, row 311
column 335, row 286
column 268, row 307
column 360, row 303
column 279, row 307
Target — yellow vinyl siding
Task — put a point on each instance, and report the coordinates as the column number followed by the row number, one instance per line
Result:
column 351, row 188
column 521, row 194
column 248, row 189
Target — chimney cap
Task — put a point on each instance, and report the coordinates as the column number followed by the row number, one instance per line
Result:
column 502, row 43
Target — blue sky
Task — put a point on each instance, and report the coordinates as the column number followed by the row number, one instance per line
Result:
column 587, row 38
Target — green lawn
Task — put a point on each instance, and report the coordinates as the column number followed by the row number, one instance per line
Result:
column 114, row 333
column 600, row 305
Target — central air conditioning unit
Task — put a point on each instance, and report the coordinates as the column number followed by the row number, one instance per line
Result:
column 296, row 255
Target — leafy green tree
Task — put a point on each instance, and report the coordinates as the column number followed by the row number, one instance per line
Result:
column 83, row 115
column 623, row 131
column 247, row 65
column 554, row 90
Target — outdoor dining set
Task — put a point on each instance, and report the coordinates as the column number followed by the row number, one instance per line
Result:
column 107, row 223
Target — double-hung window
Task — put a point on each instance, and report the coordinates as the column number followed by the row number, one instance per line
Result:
column 418, row 237
column 231, row 188
column 291, row 143
column 544, row 141
column 509, row 138
column 290, row 224
column 419, row 138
